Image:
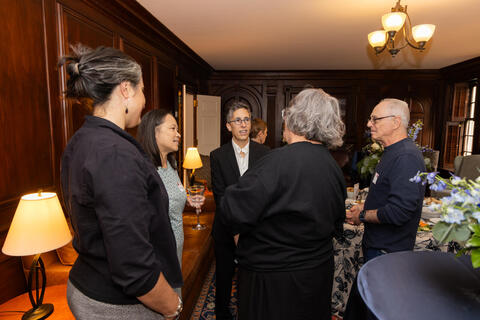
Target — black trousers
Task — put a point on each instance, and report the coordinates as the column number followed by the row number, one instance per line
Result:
column 356, row 309
column 224, row 271
column 300, row 294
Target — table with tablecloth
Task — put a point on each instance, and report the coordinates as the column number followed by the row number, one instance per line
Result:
column 349, row 259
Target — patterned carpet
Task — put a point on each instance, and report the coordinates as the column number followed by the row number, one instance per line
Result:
column 205, row 307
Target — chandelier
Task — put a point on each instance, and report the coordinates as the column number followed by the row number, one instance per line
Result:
column 394, row 22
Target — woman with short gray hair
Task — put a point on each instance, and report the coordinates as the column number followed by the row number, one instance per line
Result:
column 286, row 210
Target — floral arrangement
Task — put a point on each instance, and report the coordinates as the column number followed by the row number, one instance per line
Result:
column 374, row 151
column 460, row 212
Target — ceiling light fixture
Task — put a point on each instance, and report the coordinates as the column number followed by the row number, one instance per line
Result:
column 394, row 22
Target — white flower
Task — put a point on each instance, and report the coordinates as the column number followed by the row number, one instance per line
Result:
column 375, row 146
column 476, row 215
column 453, row 216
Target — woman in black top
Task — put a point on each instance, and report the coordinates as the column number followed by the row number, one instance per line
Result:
column 127, row 263
column 286, row 210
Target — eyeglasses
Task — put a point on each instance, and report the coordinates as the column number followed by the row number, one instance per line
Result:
column 374, row 119
column 239, row 121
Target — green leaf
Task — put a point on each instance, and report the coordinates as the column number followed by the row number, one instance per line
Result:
column 475, row 228
column 460, row 233
column 474, row 242
column 441, row 231
column 476, row 258
column 445, row 232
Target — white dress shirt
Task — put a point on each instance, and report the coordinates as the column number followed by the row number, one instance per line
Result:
column 242, row 156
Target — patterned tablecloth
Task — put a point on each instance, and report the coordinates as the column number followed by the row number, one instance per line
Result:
column 349, row 259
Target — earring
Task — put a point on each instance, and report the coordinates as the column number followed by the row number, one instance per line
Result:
column 126, row 106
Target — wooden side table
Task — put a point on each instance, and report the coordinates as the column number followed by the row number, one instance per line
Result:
column 57, row 295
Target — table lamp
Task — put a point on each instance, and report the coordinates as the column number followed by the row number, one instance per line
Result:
column 38, row 226
column 192, row 161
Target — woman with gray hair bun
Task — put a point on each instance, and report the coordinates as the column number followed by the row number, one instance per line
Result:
column 127, row 261
column 286, row 210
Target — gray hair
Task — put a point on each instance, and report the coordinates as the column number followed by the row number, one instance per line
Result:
column 94, row 73
column 398, row 108
column 315, row 115
column 234, row 106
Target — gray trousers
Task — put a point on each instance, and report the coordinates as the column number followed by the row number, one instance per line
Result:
column 85, row 308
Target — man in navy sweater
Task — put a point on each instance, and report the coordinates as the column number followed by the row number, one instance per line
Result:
column 392, row 210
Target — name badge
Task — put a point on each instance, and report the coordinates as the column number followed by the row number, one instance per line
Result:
column 375, row 177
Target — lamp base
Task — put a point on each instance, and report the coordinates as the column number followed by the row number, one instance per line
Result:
column 41, row 312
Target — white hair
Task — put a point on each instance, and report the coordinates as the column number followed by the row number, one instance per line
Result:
column 398, row 108
column 315, row 115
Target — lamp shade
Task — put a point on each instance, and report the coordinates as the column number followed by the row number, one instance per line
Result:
column 393, row 21
column 38, row 226
column 423, row 32
column 377, row 38
column 192, row 159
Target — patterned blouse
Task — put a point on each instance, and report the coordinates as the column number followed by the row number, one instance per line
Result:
column 176, row 203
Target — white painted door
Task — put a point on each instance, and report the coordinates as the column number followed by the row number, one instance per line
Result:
column 208, row 123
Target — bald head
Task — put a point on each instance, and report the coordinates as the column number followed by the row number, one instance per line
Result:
column 397, row 108
column 388, row 122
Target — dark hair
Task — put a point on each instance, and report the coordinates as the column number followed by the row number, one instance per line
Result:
column 234, row 106
column 146, row 136
column 257, row 126
column 94, row 73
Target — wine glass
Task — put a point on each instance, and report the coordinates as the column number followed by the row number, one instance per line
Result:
column 195, row 193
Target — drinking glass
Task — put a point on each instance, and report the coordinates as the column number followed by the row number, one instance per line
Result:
column 195, row 193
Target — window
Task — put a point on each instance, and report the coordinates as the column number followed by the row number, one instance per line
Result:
column 469, row 124
column 460, row 125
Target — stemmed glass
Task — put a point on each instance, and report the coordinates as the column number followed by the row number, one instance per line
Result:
column 195, row 193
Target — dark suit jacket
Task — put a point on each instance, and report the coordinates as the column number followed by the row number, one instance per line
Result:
column 225, row 172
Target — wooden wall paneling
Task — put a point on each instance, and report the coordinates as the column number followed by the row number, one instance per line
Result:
column 75, row 28
column 145, row 59
column 165, row 87
column 362, row 90
column 35, row 121
column 26, row 144
column 460, row 101
column 271, row 119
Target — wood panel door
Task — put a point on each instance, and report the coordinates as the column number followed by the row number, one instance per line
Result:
column 208, row 123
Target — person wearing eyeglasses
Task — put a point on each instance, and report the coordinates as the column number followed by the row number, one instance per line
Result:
column 393, row 207
column 287, row 209
column 228, row 163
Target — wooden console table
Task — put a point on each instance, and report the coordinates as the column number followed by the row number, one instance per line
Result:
column 57, row 295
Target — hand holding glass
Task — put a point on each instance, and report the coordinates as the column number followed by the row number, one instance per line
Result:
column 196, row 199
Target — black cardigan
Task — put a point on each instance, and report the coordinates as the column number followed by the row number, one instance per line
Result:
column 119, row 211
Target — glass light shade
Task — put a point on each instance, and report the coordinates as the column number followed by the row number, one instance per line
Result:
column 38, row 226
column 192, row 159
column 377, row 38
column 423, row 32
column 393, row 21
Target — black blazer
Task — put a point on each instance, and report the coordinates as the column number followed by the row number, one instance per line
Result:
column 225, row 172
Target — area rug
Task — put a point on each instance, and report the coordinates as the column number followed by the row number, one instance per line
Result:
column 205, row 306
